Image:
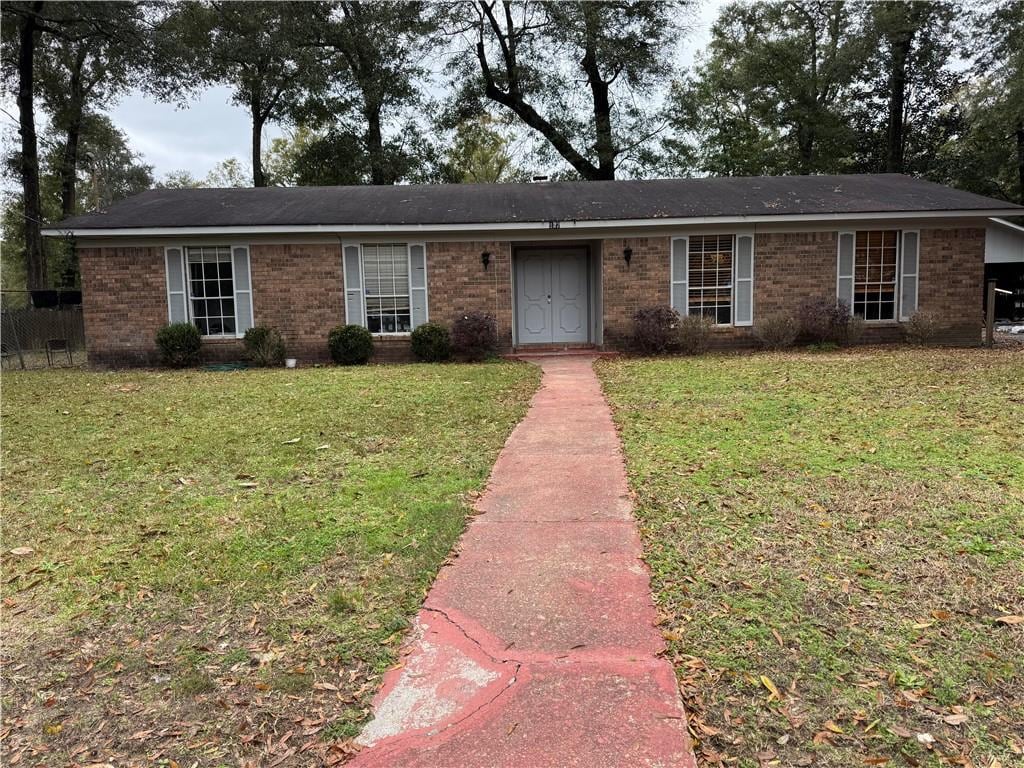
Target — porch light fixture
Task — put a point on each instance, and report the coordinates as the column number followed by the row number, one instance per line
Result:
column 627, row 256
column 485, row 259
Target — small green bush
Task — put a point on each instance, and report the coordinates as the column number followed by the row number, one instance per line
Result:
column 694, row 334
column 655, row 330
column 179, row 345
column 431, row 343
column 350, row 345
column 264, row 346
column 922, row 328
column 777, row 331
column 475, row 335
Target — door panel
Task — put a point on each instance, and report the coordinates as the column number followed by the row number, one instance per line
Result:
column 569, row 297
column 533, row 315
column 552, row 296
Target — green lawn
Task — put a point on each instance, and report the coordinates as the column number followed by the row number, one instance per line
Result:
column 837, row 550
column 223, row 564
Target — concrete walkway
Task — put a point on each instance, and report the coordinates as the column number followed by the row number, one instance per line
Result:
column 536, row 646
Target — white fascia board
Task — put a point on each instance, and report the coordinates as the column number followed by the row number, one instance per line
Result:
column 1009, row 224
column 517, row 226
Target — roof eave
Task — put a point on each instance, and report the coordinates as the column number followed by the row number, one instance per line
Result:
column 519, row 226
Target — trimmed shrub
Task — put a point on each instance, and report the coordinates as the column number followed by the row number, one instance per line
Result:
column 179, row 345
column 474, row 336
column 431, row 343
column 694, row 334
column 922, row 328
column 655, row 329
column 825, row 319
column 777, row 332
column 350, row 345
column 264, row 346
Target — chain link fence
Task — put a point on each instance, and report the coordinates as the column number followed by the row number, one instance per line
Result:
column 42, row 328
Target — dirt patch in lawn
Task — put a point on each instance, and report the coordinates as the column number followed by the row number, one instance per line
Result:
column 217, row 568
column 837, row 549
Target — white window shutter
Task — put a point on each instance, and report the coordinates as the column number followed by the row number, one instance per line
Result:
column 678, row 268
column 354, row 314
column 744, row 278
column 909, row 270
column 243, row 289
column 177, row 296
column 844, row 268
column 418, row 283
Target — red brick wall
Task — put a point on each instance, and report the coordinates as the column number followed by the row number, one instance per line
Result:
column 457, row 282
column 951, row 281
column 625, row 289
column 124, row 302
column 299, row 290
column 792, row 266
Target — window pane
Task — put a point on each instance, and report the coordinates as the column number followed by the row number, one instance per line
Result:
column 210, row 270
column 875, row 275
column 386, row 288
column 709, row 260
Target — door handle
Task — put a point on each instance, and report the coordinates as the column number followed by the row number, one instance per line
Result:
column 549, row 298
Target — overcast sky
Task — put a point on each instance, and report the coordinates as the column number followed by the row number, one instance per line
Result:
column 213, row 129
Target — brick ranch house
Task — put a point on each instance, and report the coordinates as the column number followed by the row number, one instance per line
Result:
column 558, row 264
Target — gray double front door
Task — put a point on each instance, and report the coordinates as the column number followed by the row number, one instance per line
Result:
column 552, row 296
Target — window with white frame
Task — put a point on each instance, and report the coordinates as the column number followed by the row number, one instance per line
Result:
column 876, row 257
column 386, row 287
column 710, row 277
column 211, row 290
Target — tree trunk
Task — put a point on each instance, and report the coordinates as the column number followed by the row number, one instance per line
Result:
column 1020, row 159
column 375, row 147
column 258, row 178
column 35, row 256
column 72, row 137
column 69, row 167
column 900, row 43
column 605, row 143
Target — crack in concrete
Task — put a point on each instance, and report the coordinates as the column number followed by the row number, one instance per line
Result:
column 469, row 637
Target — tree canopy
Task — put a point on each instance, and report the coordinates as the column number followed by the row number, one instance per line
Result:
column 488, row 91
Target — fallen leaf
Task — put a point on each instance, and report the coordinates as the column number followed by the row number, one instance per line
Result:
column 831, row 725
column 22, row 551
column 1010, row 620
column 958, row 719
column 292, row 441
column 767, row 683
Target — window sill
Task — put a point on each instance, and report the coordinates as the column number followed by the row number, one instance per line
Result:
column 404, row 335
column 220, row 339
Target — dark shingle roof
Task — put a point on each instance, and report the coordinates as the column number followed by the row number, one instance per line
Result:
column 442, row 204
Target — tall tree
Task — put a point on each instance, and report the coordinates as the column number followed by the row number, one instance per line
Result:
column 254, row 48
column 99, row 53
column 905, row 107
column 990, row 158
column 773, row 94
column 583, row 75
column 482, row 153
column 24, row 22
column 371, row 58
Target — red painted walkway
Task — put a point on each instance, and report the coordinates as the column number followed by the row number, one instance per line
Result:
column 537, row 646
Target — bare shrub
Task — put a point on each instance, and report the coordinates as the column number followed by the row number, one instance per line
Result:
column 777, row 331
